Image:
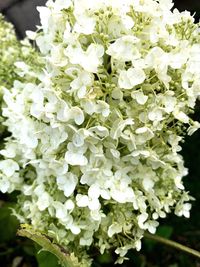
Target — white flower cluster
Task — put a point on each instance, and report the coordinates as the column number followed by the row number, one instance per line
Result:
column 8, row 52
column 11, row 53
column 95, row 136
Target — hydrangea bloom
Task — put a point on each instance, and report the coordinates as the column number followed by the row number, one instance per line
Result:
column 96, row 133
column 8, row 52
column 12, row 54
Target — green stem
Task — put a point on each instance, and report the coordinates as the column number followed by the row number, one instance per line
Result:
column 173, row 244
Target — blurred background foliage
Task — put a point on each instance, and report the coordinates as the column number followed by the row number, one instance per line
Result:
column 19, row 252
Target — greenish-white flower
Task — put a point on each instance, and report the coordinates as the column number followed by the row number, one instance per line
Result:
column 96, row 131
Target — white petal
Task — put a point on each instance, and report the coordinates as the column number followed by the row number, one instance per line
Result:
column 75, row 229
column 139, row 97
column 94, row 204
column 69, row 204
column 114, row 228
column 43, row 201
column 82, row 200
column 8, row 167
column 94, row 191
column 130, row 78
column 148, row 183
column 78, row 115
column 4, row 186
column 75, row 159
column 141, row 219
column 67, row 183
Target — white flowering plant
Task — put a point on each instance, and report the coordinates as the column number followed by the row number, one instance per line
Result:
column 96, row 130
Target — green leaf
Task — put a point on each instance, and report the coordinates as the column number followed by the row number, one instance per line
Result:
column 29, row 248
column 65, row 258
column 165, row 231
column 106, row 258
column 46, row 259
column 8, row 224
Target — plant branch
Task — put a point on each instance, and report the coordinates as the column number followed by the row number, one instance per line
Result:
column 173, row 244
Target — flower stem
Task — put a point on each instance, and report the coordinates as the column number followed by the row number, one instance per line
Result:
column 173, row 244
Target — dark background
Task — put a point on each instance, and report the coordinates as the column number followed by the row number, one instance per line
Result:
column 18, row 252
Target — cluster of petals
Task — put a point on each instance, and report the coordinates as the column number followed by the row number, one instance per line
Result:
column 96, row 129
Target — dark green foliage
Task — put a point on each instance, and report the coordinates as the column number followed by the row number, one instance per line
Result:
column 46, row 259
column 8, row 224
